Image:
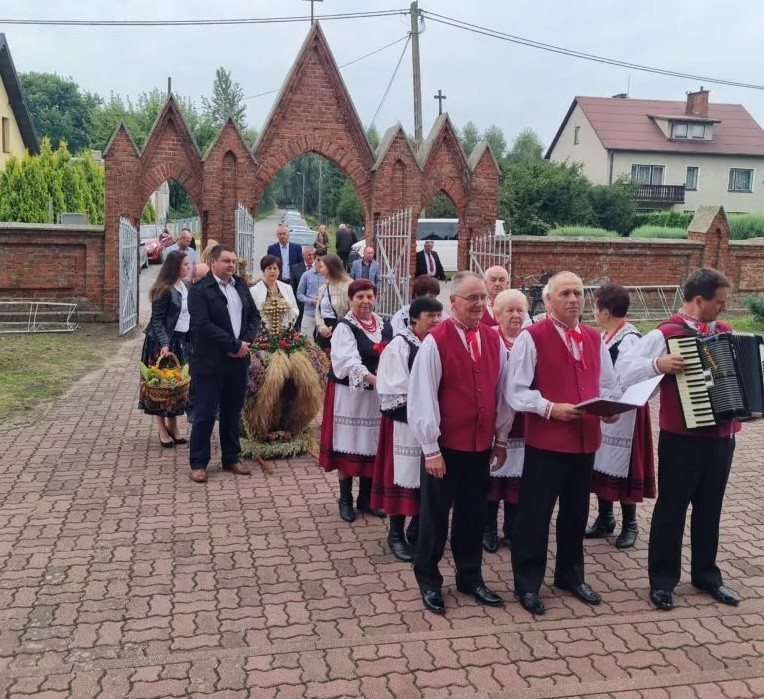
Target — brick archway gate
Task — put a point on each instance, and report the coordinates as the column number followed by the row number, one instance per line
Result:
column 313, row 113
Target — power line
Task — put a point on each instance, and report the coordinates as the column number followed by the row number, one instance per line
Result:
column 198, row 22
column 390, row 84
column 485, row 31
column 344, row 65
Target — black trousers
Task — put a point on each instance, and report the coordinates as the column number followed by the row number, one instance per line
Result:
column 225, row 388
column 465, row 487
column 690, row 470
column 547, row 476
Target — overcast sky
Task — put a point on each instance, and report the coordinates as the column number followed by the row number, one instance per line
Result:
column 486, row 80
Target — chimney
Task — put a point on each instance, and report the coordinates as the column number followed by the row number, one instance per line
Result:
column 697, row 103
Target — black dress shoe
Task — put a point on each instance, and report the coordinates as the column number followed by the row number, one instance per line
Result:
column 167, row 445
column 178, row 440
column 662, row 599
column 531, row 602
column 482, row 594
column 347, row 513
column 722, row 594
column 433, row 601
column 628, row 536
column 373, row 511
column 581, row 591
column 602, row 526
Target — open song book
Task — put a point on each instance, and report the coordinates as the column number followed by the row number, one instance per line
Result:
column 633, row 397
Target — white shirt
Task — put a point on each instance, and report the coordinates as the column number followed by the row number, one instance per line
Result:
column 346, row 359
column 184, row 319
column 522, row 370
column 235, row 306
column 286, row 272
column 327, row 304
column 426, row 375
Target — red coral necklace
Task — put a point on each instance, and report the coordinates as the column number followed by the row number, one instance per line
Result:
column 368, row 326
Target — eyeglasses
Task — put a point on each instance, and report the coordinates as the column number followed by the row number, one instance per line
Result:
column 473, row 298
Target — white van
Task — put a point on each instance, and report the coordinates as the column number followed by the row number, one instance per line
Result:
column 443, row 233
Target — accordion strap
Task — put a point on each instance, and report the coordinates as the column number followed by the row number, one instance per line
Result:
column 680, row 326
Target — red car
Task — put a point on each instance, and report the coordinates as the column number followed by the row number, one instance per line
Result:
column 155, row 240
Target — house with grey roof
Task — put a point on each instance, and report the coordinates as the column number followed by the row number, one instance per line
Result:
column 17, row 133
column 682, row 154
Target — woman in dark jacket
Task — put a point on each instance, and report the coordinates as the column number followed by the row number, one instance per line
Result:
column 168, row 332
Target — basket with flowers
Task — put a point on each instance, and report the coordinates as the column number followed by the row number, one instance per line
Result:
column 166, row 381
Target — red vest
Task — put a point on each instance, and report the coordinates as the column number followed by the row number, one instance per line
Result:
column 671, row 418
column 488, row 319
column 466, row 395
column 561, row 379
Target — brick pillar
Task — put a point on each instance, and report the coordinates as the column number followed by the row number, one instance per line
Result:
column 709, row 226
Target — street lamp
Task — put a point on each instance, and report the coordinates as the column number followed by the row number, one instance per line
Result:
column 303, row 191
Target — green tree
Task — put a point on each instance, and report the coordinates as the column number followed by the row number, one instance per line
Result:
column 60, row 110
column 613, row 206
column 469, row 137
column 440, row 206
column 527, row 148
column 350, row 208
column 540, row 195
column 372, row 136
column 227, row 100
column 494, row 136
column 10, row 185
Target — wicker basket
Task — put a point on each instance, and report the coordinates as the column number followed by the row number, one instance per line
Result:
column 167, row 394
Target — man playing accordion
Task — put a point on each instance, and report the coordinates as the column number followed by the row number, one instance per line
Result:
column 693, row 464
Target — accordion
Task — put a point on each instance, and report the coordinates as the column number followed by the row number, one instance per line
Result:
column 723, row 378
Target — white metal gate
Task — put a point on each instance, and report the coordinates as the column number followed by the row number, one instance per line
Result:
column 393, row 236
column 245, row 237
column 490, row 250
column 128, row 276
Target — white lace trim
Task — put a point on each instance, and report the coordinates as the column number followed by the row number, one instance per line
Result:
column 355, row 378
column 392, row 401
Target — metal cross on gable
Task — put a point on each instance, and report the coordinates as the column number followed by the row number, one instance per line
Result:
column 311, row 7
column 440, row 97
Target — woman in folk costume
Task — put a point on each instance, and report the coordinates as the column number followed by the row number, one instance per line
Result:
column 510, row 309
column 396, row 469
column 286, row 376
column 623, row 467
column 350, row 427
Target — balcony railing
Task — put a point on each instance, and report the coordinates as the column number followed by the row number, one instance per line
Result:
column 661, row 193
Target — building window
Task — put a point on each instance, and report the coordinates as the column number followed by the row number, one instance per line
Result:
column 647, row 174
column 741, row 180
column 684, row 129
column 697, row 130
column 679, row 130
column 691, row 180
column 6, row 136
column 576, row 132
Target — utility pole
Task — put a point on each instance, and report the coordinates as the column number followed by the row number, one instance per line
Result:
column 320, row 177
column 417, row 73
column 440, row 97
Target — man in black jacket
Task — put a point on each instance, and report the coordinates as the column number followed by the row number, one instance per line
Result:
column 345, row 240
column 224, row 321
column 428, row 262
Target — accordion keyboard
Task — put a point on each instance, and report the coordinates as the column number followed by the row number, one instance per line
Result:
column 692, row 384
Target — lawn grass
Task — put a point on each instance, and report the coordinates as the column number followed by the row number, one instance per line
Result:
column 583, row 232
column 658, row 232
column 36, row 369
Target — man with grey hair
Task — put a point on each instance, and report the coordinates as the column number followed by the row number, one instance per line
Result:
column 183, row 244
column 344, row 241
column 459, row 414
column 289, row 253
column 556, row 364
column 496, row 281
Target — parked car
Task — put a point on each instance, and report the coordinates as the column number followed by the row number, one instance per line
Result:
column 143, row 258
column 302, row 236
column 443, row 233
column 153, row 239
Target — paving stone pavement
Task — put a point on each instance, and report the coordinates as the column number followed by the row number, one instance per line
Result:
column 121, row 578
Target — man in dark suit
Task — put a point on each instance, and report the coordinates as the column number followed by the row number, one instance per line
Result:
column 308, row 256
column 428, row 262
column 345, row 240
column 289, row 254
column 224, row 321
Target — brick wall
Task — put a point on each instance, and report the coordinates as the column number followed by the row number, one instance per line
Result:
column 746, row 266
column 53, row 263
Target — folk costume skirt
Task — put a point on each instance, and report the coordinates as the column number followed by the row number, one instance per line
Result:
column 349, row 430
column 385, row 493
column 637, row 481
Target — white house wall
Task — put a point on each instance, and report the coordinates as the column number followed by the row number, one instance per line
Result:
column 589, row 151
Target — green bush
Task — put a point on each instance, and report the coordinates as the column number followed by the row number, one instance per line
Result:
column 665, row 219
column 755, row 306
column 658, row 232
column 744, row 226
column 613, row 206
column 583, row 231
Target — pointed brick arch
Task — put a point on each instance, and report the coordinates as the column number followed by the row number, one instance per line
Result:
column 312, row 114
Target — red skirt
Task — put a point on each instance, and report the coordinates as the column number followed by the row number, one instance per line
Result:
column 384, row 493
column 354, row 465
column 640, row 483
column 504, row 490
